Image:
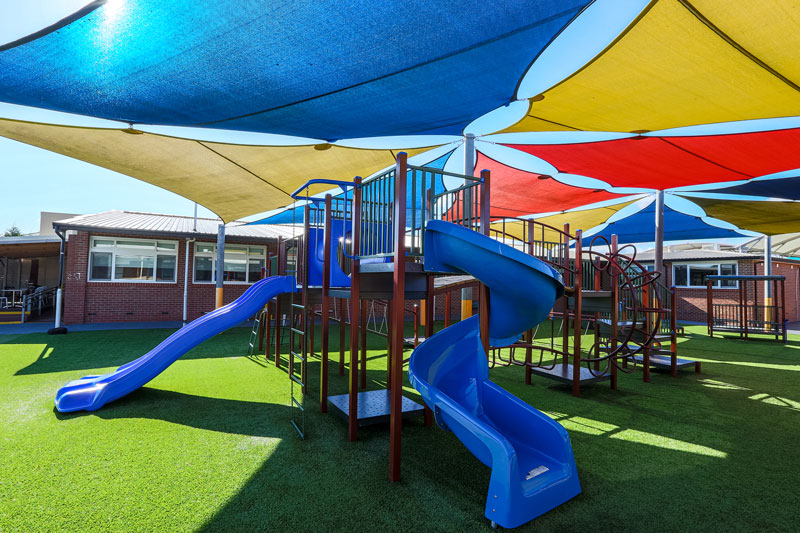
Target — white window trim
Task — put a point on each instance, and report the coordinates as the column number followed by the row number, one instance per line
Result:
column 717, row 264
column 113, row 251
column 213, row 256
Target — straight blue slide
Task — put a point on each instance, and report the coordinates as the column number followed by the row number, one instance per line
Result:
column 533, row 468
column 93, row 392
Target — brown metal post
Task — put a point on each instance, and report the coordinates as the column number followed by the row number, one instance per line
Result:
column 782, row 322
column 326, row 304
column 673, row 336
column 565, row 302
column 303, row 271
column 710, row 307
column 267, row 328
column 262, row 327
column 483, row 295
column 648, row 324
column 576, row 361
column 614, row 329
column 398, row 315
column 312, row 319
column 429, row 308
column 278, row 299
column 447, row 303
column 389, row 329
column 363, row 369
column 341, row 336
column 355, row 311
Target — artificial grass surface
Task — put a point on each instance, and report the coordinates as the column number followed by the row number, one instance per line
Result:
column 208, row 446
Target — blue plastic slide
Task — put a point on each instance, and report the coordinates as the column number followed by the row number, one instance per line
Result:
column 93, row 392
column 533, row 469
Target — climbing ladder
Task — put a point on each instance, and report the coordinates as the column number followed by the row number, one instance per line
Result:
column 256, row 329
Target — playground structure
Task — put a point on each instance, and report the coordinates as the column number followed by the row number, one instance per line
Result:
column 386, row 240
column 746, row 316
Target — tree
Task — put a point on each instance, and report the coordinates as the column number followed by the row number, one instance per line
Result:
column 13, row 231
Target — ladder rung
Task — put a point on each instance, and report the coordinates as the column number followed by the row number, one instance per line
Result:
column 297, row 404
column 302, row 436
column 295, row 354
column 299, row 332
column 299, row 306
column 296, row 380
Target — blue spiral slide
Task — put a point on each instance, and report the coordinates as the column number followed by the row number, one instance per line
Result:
column 533, row 468
column 93, row 392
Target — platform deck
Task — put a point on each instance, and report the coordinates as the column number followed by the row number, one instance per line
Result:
column 373, row 407
column 564, row 374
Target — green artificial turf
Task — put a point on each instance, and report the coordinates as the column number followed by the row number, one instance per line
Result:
column 208, row 446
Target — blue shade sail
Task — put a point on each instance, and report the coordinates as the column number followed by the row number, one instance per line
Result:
column 786, row 188
column 640, row 227
column 325, row 70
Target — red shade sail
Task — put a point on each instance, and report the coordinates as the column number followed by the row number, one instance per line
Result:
column 517, row 192
column 667, row 162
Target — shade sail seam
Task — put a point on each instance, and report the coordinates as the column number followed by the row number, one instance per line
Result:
column 749, row 176
column 553, row 121
column 397, row 72
column 69, row 19
column 738, row 47
column 201, row 143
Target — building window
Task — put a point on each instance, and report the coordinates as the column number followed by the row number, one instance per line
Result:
column 695, row 274
column 243, row 264
column 136, row 260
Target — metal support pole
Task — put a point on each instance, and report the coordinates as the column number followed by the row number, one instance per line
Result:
column 220, row 264
column 186, row 282
column 326, row 304
column 57, row 328
column 659, row 238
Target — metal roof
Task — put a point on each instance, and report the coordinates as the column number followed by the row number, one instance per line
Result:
column 697, row 255
column 132, row 222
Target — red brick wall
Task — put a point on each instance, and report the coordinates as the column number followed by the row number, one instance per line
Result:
column 87, row 301
column 791, row 271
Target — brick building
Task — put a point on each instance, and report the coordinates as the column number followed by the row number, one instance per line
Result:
column 687, row 269
column 127, row 266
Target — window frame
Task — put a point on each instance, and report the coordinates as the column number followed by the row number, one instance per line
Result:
column 717, row 264
column 115, row 249
column 247, row 256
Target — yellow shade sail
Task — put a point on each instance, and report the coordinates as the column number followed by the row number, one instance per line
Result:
column 682, row 63
column 767, row 217
column 231, row 180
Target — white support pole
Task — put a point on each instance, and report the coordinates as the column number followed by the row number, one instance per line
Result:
column 220, row 264
column 57, row 328
column 658, row 266
column 186, row 282
column 469, row 154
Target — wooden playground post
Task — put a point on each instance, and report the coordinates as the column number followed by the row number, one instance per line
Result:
column 398, row 316
column 576, row 362
column 416, row 325
column 782, row 308
column 326, row 303
column 355, row 309
column 389, row 329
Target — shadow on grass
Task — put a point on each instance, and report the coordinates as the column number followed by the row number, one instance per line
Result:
column 255, row 419
column 92, row 350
